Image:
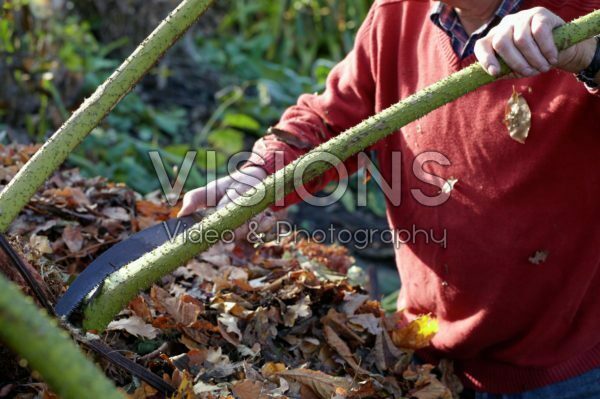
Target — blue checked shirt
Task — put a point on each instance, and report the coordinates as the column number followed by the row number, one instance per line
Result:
column 446, row 18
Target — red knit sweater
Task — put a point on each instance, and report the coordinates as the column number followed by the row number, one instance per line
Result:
column 509, row 324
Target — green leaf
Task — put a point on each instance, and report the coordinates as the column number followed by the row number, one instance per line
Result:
column 228, row 141
column 240, row 121
column 179, row 150
column 171, row 122
column 376, row 201
column 321, row 70
column 349, row 201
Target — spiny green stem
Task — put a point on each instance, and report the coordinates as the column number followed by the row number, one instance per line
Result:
column 33, row 174
column 48, row 349
column 140, row 274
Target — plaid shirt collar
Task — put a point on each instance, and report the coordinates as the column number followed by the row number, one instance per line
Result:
column 445, row 17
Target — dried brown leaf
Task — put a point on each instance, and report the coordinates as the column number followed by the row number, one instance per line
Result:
column 40, row 244
column 449, row 378
column 432, row 390
column 342, row 348
column 270, row 369
column 352, row 302
column 187, row 310
column 117, row 213
column 152, row 209
column 145, row 391
column 518, row 117
column 134, row 325
column 141, row 309
column 323, row 385
column 73, row 238
column 388, row 356
column 230, row 323
column 185, row 389
column 368, row 322
column 202, row 387
column 307, row 393
column 218, row 254
column 299, row 310
column 248, row 389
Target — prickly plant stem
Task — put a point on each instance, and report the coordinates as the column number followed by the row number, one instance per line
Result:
column 48, row 349
column 22, row 187
column 140, row 274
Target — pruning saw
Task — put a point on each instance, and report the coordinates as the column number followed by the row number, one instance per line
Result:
column 118, row 256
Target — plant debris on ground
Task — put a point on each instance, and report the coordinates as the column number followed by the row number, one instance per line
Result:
column 280, row 320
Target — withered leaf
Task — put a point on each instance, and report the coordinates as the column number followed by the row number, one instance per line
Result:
column 216, row 356
column 249, row 310
column 281, row 390
column 341, row 348
column 202, row 387
column 230, row 324
column 307, row 393
column 324, row 385
column 517, row 117
column 218, row 254
column 41, row 244
column 367, row 321
column 300, row 309
column 433, row 389
column 134, row 325
column 388, row 356
column 185, row 388
column 141, row 309
column 204, row 271
column 144, row 391
column 155, row 210
column 188, row 309
column 248, row 389
column 449, row 379
column 417, row 334
column 117, row 213
column 339, row 322
column 72, row 237
column 270, row 368
column 352, row 302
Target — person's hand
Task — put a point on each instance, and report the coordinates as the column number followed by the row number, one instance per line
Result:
column 222, row 191
column 524, row 40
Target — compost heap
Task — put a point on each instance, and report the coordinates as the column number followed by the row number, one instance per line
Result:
column 280, row 320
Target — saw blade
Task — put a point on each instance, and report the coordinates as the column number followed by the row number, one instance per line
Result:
column 118, row 256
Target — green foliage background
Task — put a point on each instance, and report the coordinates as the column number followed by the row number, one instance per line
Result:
column 220, row 88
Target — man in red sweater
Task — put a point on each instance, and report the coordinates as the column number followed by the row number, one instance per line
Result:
column 515, row 289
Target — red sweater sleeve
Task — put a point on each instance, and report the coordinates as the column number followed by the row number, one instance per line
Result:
column 348, row 99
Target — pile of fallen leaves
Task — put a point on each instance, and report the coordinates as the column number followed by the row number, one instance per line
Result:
column 280, row 320
column 72, row 219
column 278, row 325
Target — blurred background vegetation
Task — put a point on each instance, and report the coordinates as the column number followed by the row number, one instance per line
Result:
column 221, row 86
